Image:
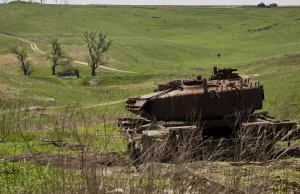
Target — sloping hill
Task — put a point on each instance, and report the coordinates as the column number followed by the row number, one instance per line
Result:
column 160, row 43
column 162, row 36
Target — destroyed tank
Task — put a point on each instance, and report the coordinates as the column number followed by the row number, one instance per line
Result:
column 203, row 119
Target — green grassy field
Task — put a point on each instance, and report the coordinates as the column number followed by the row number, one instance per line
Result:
column 158, row 44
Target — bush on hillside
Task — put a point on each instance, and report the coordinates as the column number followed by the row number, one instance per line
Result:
column 66, row 72
column 261, row 5
column 273, row 5
column 69, row 71
column 267, row 6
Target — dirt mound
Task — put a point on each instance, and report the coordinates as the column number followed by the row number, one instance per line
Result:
column 186, row 179
column 83, row 160
column 203, row 185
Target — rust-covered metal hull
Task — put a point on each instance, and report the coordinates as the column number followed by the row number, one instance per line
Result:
column 213, row 100
column 189, row 117
column 191, row 102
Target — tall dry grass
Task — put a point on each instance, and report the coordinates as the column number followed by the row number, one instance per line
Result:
column 190, row 168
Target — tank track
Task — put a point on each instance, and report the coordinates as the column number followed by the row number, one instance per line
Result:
column 246, row 138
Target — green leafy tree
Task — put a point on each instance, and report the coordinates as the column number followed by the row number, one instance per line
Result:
column 261, row 5
column 69, row 69
column 273, row 5
column 97, row 44
column 56, row 55
column 22, row 56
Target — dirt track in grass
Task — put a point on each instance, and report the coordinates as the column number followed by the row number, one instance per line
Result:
column 35, row 48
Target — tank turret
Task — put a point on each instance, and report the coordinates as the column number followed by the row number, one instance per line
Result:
column 223, row 93
column 203, row 118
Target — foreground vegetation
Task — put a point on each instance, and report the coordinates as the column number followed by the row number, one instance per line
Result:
column 58, row 135
column 80, row 150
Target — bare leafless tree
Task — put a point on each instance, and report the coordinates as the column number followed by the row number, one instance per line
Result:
column 22, row 56
column 5, row 1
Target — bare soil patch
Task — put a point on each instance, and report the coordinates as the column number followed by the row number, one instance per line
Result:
column 198, row 177
column 187, row 178
column 202, row 185
column 67, row 161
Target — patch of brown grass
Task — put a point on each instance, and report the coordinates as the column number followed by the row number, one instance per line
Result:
column 34, row 38
column 7, row 92
column 9, row 63
column 77, row 52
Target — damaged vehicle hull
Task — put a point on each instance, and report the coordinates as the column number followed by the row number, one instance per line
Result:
column 203, row 119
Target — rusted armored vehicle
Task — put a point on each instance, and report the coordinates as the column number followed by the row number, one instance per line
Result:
column 203, row 119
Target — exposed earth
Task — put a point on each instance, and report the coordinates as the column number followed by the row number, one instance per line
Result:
column 200, row 176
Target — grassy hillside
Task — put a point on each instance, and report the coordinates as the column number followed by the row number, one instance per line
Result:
column 74, row 146
column 166, row 36
column 159, row 43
